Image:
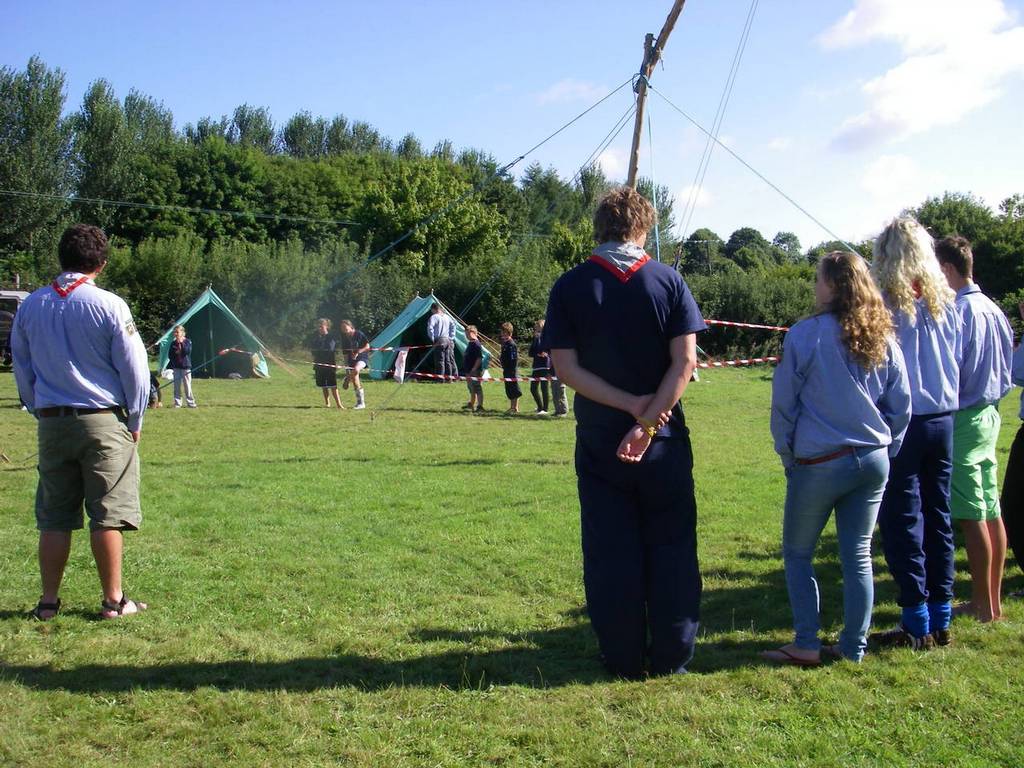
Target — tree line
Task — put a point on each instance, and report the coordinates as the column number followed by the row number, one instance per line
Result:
column 285, row 221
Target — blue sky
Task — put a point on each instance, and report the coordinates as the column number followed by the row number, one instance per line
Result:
column 856, row 108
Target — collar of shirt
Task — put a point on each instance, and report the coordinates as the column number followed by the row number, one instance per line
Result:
column 622, row 256
column 969, row 288
column 66, row 279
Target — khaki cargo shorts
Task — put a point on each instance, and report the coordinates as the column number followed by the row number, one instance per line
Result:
column 90, row 459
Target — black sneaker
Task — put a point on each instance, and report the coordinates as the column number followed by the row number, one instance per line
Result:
column 899, row 637
column 943, row 637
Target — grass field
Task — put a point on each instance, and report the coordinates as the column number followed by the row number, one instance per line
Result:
column 327, row 588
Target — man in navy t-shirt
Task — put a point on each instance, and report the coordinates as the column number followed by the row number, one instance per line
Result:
column 621, row 330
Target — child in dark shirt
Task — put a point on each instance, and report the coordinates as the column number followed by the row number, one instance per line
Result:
column 541, row 370
column 509, row 362
column 357, row 356
column 472, row 363
column 323, row 347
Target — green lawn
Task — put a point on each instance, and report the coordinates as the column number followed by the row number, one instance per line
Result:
column 404, row 589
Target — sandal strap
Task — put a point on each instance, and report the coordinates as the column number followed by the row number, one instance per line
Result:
column 118, row 607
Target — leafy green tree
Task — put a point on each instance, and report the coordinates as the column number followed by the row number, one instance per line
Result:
column 206, row 128
column 447, row 224
column 787, row 247
column 701, row 251
column 220, row 177
column 103, row 150
column 304, row 136
column 35, row 159
column 409, row 147
column 748, row 249
column 149, row 122
column 548, row 199
column 252, row 127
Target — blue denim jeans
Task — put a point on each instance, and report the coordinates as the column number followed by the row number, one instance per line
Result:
column 852, row 485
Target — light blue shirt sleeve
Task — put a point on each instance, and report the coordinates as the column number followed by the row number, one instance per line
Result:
column 987, row 349
column 24, row 375
column 894, row 404
column 434, row 327
column 451, row 329
column 787, row 382
column 128, row 356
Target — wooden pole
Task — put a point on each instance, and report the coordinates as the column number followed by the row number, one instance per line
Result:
column 652, row 55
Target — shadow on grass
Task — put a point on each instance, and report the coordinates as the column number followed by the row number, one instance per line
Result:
column 543, row 659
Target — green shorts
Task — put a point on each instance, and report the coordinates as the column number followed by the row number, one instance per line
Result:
column 974, row 491
column 88, row 459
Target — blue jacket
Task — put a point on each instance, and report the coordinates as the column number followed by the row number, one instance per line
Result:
column 180, row 355
column 823, row 400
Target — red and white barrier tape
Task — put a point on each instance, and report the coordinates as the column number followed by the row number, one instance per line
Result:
column 734, row 363
column 747, row 325
column 440, row 377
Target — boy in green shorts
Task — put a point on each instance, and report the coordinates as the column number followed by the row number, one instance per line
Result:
column 984, row 379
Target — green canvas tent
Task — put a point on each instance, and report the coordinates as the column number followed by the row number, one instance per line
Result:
column 409, row 329
column 221, row 344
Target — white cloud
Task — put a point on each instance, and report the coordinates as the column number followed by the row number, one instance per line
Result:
column 702, row 200
column 570, row 90
column 614, row 163
column 780, row 143
column 894, row 182
column 957, row 56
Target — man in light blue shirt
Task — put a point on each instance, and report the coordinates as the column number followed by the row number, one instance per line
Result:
column 984, row 379
column 441, row 330
column 81, row 370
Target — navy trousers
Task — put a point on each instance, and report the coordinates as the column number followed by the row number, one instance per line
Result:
column 917, row 534
column 640, row 570
column 1012, row 499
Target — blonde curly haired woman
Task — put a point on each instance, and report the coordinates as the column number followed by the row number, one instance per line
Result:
column 914, row 520
column 840, row 406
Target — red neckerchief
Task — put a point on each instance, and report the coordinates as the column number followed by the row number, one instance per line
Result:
column 623, row 276
column 65, row 292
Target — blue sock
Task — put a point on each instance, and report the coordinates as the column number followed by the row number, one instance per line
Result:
column 939, row 615
column 915, row 620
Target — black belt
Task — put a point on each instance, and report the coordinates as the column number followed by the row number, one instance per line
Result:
column 827, row 457
column 67, row 410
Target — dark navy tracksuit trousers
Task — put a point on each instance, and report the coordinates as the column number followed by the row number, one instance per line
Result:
column 917, row 533
column 640, row 570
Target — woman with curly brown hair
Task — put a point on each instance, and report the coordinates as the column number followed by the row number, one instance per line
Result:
column 840, row 406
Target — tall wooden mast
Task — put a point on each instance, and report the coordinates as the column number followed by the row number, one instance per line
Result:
column 652, row 55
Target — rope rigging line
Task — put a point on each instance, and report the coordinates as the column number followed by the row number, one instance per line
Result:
column 183, row 208
column 723, row 104
column 654, row 189
column 754, row 171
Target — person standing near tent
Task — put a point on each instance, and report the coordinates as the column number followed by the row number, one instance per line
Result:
column 357, row 356
column 472, row 360
column 179, row 360
column 541, row 370
column 81, row 370
column 325, row 369
column 509, row 368
column 1012, row 498
column 622, row 332
column 914, row 519
column 441, row 330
